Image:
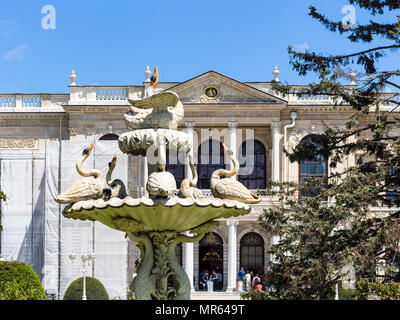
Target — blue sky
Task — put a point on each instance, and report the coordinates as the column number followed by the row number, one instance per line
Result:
column 112, row 42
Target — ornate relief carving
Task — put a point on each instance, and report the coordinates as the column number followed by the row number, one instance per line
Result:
column 89, row 131
column 19, row 143
column 73, row 131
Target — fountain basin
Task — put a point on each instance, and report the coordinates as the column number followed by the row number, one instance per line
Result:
column 146, row 214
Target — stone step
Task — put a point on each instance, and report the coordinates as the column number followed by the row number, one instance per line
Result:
column 199, row 295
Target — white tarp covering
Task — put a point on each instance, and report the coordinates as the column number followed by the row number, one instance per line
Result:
column 51, row 220
column 34, row 230
column 22, row 180
column 110, row 247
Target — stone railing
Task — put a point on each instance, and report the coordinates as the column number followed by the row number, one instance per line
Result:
column 32, row 102
column 111, row 93
column 309, row 99
column 104, row 95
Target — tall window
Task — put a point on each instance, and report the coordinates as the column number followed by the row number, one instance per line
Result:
column 315, row 166
column 176, row 168
column 257, row 178
column 252, row 252
column 206, row 168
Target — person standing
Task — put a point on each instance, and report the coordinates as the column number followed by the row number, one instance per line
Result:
column 219, row 281
column 256, row 281
column 213, row 279
column 241, row 275
column 247, row 278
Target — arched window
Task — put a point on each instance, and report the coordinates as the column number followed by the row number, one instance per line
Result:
column 257, row 178
column 315, row 166
column 252, row 252
column 176, row 168
column 109, row 136
column 206, row 166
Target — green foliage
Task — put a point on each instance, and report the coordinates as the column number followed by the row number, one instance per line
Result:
column 335, row 227
column 18, row 281
column 384, row 291
column 257, row 295
column 95, row 290
column 344, row 294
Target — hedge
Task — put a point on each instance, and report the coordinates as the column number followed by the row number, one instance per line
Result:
column 95, row 290
column 18, row 281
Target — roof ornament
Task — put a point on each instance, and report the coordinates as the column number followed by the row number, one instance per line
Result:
column 147, row 74
column 276, row 74
column 73, row 77
column 352, row 78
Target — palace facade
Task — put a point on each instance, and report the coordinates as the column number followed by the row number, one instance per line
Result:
column 43, row 135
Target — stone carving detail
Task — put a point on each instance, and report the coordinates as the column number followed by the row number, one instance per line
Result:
column 19, row 143
column 73, row 131
column 89, row 131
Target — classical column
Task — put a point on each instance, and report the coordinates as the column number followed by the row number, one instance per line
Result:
column 190, row 131
column 276, row 133
column 232, row 143
column 188, row 246
column 276, row 130
column 274, row 240
column 232, row 234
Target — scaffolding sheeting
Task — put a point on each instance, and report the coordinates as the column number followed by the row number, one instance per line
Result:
column 35, row 230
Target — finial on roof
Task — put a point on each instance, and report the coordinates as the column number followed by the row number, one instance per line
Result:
column 147, row 74
column 352, row 78
column 73, row 77
column 276, row 74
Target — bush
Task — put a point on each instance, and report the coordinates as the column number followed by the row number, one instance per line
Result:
column 344, row 294
column 18, row 281
column 94, row 290
column 384, row 291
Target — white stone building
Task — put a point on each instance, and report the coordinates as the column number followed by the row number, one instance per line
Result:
column 42, row 135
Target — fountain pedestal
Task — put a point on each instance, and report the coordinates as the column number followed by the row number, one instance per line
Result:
column 157, row 225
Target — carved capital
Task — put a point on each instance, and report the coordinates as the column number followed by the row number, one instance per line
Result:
column 232, row 126
column 276, row 126
column 189, row 125
column 232, row 222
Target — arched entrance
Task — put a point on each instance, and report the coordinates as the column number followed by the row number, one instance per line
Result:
column 252, row 252
column 211, row 254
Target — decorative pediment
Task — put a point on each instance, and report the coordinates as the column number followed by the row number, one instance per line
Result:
column 213, row 87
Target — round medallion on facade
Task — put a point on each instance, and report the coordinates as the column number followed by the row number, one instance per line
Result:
column 211, row 92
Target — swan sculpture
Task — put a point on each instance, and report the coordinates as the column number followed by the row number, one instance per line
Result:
column 90, row 187
column 228, row 188
column 161, row 110
column 117, row 186
column 187, row 189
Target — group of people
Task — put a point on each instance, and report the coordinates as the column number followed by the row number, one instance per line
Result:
column 205, row 278
column 252, row 281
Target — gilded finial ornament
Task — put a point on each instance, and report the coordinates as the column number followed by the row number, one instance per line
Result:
column 154, row 78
